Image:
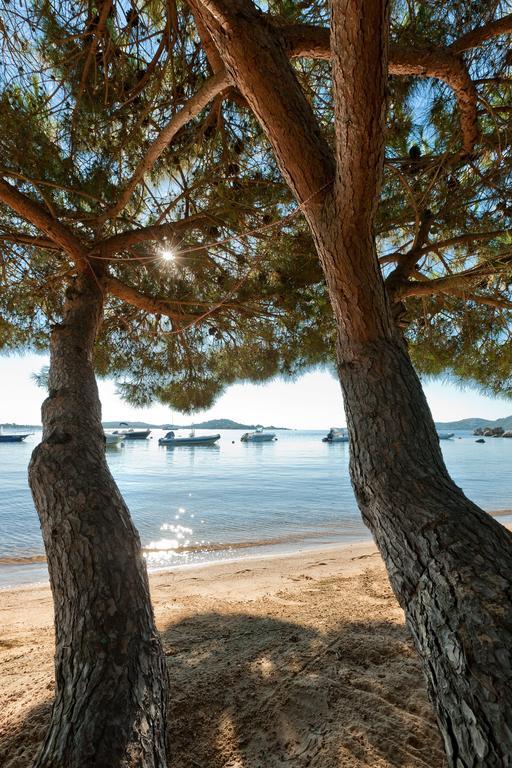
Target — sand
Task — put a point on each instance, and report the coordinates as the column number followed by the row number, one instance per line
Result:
column 299, row 660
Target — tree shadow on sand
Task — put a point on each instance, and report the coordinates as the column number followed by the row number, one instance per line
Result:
column 254, row 692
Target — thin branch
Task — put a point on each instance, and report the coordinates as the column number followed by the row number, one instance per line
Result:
column 44, row 183
column 155, row 306
column 479, row 298
column 22, row 239
column 96, row 34
column 158, row 232
column 408, row 260
column 191, row 109
column 445, row 284
column 460, row 239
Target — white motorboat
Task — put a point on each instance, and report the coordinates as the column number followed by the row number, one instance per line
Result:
column 445, row 435
column 171, row 439
column 258, row 436
column 131, row 434
column 336, row 435
column 113, row 439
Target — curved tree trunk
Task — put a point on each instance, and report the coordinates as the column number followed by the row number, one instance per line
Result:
column 110, row 672
column 450, row 564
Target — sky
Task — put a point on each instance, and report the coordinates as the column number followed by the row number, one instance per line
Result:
column 311, row 402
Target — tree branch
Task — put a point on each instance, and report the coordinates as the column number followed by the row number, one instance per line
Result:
column 431, row 287
column 479, row 298
column 303, row 40
column 158, row 232
column 36, row 215
column 191, row 109
column 448, row 283
column 96, row 34
column 22, row 239
column 479, row 35
column 469, row 237
column 450, row 68
column 155, row 306
column 408, row 260
column 258, row 62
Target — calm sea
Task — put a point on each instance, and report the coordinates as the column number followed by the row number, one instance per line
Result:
column 234, row 499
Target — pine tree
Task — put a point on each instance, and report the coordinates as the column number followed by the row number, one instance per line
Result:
column 194, row 196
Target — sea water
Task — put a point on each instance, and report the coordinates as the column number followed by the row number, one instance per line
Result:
column 233, row 499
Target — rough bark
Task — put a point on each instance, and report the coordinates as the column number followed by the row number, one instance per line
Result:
column 110, row 672
column 450, row 563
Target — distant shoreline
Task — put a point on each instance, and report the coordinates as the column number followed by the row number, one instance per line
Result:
column 213, row 424
column 467, row 425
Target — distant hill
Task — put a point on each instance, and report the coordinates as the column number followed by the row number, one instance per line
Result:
column 467, row 424
column 228, row 424
column 211, row 424
column 506, row 423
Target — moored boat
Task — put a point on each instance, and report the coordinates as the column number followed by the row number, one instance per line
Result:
column 14, row 438
column 258, row 436
column 445, row 435
column 336, row 435
column 170, row 439
column 112, row 439
column 132, row 434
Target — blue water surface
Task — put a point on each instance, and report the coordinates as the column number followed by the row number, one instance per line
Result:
column 199, row 504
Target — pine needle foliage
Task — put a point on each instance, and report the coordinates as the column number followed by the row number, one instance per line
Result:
column 89, row 89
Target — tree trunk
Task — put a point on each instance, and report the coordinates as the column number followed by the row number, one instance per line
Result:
column 110, row 672
column 450, row 564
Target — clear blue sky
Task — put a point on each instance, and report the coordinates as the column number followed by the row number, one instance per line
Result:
column 313, row 401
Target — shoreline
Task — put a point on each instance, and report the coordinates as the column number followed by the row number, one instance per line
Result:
column 154, row 575
column 272, row 548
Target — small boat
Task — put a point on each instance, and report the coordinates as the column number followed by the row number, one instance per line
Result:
column 14, row 438
column 112, row 439
column 336, row 435
column 258, row 436
column 445, row 435
column 192, row 439
column 131, row 434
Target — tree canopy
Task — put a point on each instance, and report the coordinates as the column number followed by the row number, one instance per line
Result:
column 125, row 144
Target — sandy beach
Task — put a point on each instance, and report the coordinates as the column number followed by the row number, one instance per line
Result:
column 299, row 660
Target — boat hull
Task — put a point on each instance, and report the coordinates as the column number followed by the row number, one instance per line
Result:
column 342, row 439
column 13, row 438
column 258, row 439
column 142, row 434
column 172, row 442
column 113, row 440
